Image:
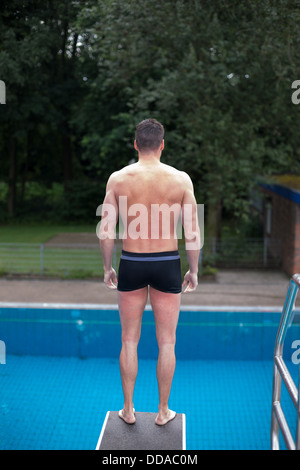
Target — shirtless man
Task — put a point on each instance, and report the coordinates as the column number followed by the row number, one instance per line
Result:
column 150, row 262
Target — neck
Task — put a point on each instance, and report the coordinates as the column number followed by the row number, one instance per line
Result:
column 151, row 158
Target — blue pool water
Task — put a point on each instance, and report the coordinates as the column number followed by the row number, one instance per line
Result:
column 62, row 375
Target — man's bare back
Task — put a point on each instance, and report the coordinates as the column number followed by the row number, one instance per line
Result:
column 151, row 184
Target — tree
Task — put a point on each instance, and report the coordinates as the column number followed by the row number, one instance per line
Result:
column 217, row 74
column 37, row 62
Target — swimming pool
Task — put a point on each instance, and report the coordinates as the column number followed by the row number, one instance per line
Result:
column 62, row 375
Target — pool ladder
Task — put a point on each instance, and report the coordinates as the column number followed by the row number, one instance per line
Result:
column 280, row 371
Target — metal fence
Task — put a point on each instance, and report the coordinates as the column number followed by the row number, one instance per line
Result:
column 43, row 259
column 243, row 253
column 83, row 261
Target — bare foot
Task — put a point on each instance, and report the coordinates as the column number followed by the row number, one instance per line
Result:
column 164, row 418
column 127, row 416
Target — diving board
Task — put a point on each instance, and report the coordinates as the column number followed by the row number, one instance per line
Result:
column 144, row 434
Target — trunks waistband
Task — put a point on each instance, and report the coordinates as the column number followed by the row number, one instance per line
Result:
column 158, row 256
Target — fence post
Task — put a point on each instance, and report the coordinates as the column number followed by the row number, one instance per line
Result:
column 265, row 251
column 200, row 262
column 42, row 258
column 115, row 257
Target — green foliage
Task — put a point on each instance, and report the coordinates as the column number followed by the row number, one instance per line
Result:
column 53, row 204
column 216, row 74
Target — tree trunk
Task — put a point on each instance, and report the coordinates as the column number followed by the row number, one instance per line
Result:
column 67, row 157
column 214, row 219
column 25, row 168
column 214, row 205
column 12, row 176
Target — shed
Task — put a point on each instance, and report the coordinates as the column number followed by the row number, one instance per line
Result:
column 281, row 218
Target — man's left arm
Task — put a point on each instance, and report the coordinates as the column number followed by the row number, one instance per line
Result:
column 107, row 232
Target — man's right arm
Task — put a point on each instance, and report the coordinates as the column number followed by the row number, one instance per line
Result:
column 107, row 232
column 191, row 233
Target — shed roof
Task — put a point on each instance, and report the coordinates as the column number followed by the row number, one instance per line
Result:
column 287, row 185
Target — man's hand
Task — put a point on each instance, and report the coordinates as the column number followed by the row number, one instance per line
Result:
column 110, row 279
column 190, row 282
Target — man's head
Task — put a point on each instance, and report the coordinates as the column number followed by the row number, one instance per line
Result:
column 149, row 136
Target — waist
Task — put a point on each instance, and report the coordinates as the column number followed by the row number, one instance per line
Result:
column 156, row 256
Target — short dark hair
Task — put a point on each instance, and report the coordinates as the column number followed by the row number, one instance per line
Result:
column 149, row 135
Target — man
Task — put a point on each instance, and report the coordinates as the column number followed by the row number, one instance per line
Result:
column 150, row 262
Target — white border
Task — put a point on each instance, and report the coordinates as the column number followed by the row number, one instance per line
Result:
column 102, row 431
column 183, row 308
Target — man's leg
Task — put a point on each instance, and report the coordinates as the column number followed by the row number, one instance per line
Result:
column 166, row 312
column 131, row 308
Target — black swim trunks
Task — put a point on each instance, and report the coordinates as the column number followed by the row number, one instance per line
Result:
column 159, row 270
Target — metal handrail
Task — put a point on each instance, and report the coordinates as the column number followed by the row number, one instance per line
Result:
column 280, row 371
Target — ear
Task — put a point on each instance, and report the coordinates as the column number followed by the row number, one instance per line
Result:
column 135, row 146
column 162, row 145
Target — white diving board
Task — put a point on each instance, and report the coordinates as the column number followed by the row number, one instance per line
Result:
column 144, row 434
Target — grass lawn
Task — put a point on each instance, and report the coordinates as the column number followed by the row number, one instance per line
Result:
column 22, row 259
column 38, row 233
column 66, row 262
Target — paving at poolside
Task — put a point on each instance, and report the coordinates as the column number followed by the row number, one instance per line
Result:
column 230, row 288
